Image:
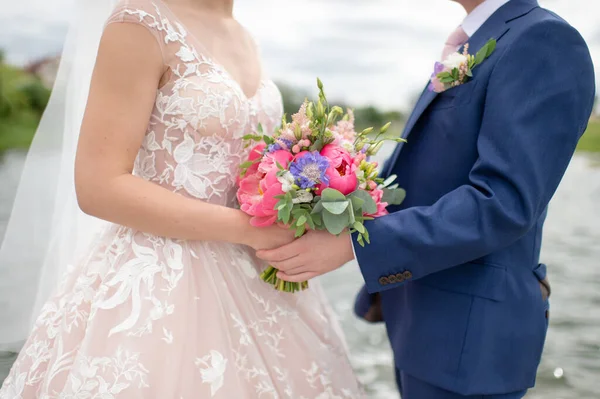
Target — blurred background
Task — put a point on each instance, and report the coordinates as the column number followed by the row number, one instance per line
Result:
column 375, row 56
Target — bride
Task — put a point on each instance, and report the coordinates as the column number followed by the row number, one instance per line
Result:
column 165, row 301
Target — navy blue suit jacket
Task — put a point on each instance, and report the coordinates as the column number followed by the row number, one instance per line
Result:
column 457, row 264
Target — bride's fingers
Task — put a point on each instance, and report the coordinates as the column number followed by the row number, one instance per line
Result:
column 297, row 278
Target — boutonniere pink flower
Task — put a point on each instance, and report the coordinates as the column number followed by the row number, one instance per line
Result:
column 457, row 69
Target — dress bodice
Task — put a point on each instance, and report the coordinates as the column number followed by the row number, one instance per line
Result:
column 193, row 144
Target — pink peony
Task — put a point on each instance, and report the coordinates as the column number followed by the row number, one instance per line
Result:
column 256, row 196
column 342, row 172
column 255, row 155
column 377, row 194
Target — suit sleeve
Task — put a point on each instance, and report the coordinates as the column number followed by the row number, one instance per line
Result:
column 539, row 99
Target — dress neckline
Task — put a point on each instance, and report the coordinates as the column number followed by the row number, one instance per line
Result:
column 214, row 61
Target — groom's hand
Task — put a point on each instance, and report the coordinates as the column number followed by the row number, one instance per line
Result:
column 314, row 254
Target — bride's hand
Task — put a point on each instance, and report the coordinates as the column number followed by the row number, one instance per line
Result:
column 270, row 237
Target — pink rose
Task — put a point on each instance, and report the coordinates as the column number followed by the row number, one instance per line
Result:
column 377, row 195
column 342, row 172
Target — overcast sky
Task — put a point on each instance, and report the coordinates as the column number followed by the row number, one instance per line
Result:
column 366, row 51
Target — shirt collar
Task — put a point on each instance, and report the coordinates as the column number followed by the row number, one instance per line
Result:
column 480, row 14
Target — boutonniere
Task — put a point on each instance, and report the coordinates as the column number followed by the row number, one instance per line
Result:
column 457, row 69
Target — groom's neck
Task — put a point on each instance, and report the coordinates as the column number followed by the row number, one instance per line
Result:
column 469, row 5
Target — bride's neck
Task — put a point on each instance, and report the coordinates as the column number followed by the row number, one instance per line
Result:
column 221, row 7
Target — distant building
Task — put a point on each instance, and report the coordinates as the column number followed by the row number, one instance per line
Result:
column 45, row 69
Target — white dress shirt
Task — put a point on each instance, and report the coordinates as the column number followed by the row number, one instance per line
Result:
column 480, row 14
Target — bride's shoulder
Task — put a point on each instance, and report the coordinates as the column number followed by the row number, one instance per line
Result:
column 140, row 11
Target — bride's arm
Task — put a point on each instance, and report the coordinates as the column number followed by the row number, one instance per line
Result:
column 122, row 94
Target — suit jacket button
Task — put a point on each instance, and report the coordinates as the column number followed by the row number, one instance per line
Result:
column 400, row 277
column 384, row 281
column 407, row 275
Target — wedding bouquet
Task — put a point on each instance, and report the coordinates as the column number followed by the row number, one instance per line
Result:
column 315, row 173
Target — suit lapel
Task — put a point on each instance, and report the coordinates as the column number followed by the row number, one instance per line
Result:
column 494, row 28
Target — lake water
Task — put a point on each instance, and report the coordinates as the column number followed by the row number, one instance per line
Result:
column 571, row 364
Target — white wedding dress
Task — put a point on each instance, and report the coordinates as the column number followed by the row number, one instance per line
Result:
column 144, row 316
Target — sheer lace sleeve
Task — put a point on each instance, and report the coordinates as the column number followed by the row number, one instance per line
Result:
column 140, row 12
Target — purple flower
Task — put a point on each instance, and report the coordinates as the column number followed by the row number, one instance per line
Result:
column 309, row 169
column 274, row 147
column 435, row 84
column 280, row 144
column 286, row 142
column 439, row 67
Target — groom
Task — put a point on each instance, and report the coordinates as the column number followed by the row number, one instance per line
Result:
column 456, row 267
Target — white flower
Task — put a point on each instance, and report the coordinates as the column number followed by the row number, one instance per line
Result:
column 286, row 180
column 455, row 60
column 303, row 197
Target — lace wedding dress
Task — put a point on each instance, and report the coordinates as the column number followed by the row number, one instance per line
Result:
column 152, row 317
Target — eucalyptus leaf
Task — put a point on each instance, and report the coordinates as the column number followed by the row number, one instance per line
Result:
column 335, row 224
column 351, row 213
column 331, row 195
column 317, row 219
column 447, row 80
column 369, row 205
column 337, row 208
column 318, row 208
column 393, row 197
column 357, row 203
column 311, row 222
column 444, row 75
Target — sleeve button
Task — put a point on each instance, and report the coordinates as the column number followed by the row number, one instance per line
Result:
column 384, row 281
column 407, row 275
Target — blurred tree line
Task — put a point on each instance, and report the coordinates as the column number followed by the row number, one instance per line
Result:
column 23, row 98
column 365, row 116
